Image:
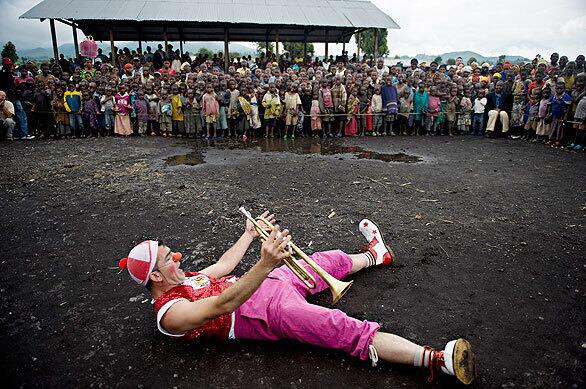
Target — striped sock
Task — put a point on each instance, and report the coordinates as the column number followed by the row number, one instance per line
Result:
column 423, row 357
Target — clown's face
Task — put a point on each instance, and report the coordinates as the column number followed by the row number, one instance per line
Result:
column 166, row 270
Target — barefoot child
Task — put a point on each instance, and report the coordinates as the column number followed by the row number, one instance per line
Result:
column 211, row 110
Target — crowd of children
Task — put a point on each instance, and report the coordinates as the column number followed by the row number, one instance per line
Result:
column 194, row 98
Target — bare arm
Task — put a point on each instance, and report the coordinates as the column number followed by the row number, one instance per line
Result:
column 231, row 258
column 185, row 315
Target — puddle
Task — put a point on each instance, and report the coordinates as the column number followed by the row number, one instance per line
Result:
column 191, row 159
column 299, row 146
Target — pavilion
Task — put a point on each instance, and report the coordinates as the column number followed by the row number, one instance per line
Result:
column 327, row 21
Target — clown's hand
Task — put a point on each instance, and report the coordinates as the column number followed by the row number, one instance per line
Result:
column 251, row 230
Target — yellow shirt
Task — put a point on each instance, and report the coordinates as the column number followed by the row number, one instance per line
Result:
column 177, row 108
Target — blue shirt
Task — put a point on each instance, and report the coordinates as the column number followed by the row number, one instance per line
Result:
column 559, row 104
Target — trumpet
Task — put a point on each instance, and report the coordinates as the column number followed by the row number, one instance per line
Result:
column 337, row 287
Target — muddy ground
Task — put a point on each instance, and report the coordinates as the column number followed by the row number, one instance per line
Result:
column 489, row 237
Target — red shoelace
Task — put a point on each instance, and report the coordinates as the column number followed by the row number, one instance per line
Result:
column 436, row 362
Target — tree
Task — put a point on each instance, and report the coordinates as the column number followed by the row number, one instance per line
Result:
column 451, row 61
column 261, row 48
column 205, row 51
column 9, row 51
column 295, row 49
column 502, row 58
column 397, row 56
column 471, row 59
column 438, row 60
column 367, row 42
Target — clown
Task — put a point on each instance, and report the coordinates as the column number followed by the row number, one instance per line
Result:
column 269, row 303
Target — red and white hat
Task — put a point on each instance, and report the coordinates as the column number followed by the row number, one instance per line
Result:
column 141, row 260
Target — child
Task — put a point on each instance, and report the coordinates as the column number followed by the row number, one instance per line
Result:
column 315, row 119
column 478, row 121
column 89, row 114
column 141, row 111
column 165, row 112
column 533, row 116
column 178, row 120
column 245, row 117
column 152, row 100
column 544, row 123
column 464, row 120
column 451, row 104
column 368, row 117
column 122, row 108
column 107, row 103
column 44, row 110
column 292, row 105
column 405, row 105
column 72, row 104
column 390, row 105
column 420, row 102
column 352, row 109
column 211, row 110
column 223, row 96
column 61, row 115
column 433, row 111
column 326, row 107
column 361, row 118
column 190, row 109
column 254, row 116
column 376, row 106
column 559, row 104
column 272, row 104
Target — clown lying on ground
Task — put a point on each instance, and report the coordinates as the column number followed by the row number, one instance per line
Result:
column 269, row 303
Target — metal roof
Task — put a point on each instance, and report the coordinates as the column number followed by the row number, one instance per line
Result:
column 248, row 20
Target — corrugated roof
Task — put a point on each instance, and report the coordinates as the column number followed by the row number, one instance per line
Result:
column 335, row 13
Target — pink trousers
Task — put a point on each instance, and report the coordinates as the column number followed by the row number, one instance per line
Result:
column 278, row 310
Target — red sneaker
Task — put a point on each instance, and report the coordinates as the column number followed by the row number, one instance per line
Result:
column 456, row 359
column 380, row 253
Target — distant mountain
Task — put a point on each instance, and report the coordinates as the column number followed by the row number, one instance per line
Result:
column 466, row 55
column 68, row 49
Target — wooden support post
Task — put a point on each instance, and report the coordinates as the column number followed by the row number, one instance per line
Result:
column 267, row 44
column 358, row 46
column 166, row 48
column 112, row 47
column 376, row 32
column 277, row 44
column 326, row 49
column 226, row 50
column 140, row 39
column 75, row 42
column 181, row 40
column 54, row 39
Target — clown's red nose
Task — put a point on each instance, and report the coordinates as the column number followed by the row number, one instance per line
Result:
column 176, row 257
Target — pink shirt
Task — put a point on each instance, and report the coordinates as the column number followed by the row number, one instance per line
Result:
column 122, row 103
column 433, row 105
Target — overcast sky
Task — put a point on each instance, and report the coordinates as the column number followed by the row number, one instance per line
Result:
column 522, row 27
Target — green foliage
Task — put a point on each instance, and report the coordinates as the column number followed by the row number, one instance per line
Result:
column 261, row 47
column 234, row 54
column 367, row 42
column 471, row 59
column 502, row 58
column 397, row 56
column 205, row 51
column 295, row 49
column 9, row 51
column 451, row 61
column 438, row 59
